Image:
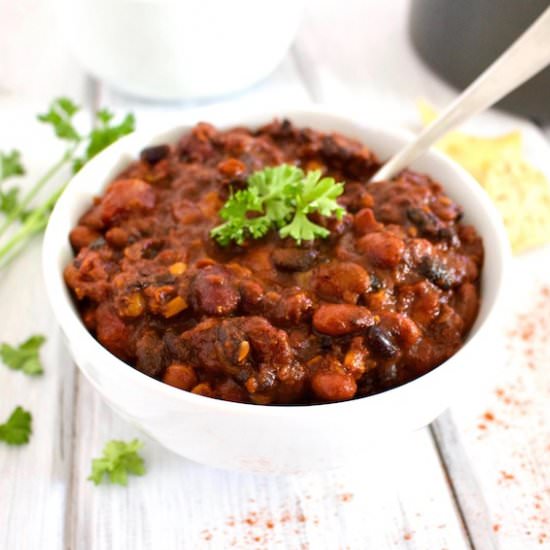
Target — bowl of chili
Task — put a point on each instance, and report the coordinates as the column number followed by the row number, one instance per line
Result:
column 263, row 349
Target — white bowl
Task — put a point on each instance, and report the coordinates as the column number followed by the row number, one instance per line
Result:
column 179, row 49
column 270, row 438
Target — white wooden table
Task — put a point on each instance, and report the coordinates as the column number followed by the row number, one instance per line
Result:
column 479, row 477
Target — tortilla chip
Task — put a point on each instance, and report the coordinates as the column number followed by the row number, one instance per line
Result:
column 522, row 195
column 520, row 192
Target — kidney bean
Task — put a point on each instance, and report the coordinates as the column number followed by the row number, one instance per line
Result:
column 112, row 332
column 232, row 167
column 340, row 319
column 213, row 292
column 291, row 308
column 467, row 304
column 382, row 249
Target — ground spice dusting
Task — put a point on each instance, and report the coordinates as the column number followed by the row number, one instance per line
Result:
column 264, row 527
column 519, row 420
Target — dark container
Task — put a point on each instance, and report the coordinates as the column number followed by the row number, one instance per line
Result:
column 458, row 39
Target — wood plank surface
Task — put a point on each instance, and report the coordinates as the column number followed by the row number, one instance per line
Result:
column 480, row 478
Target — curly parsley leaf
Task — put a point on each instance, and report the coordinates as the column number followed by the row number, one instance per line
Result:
column 103, row 135
column 10, row 165
column 9, row 201
column 25, row 357
column 17, row 428
column 279, row 197
column 119, row 459
column 60, row 116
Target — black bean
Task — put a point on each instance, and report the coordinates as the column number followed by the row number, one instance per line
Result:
column 151, row 250
column 449, row 235
column 381, row 343
column 97, row 244
column 325, row 342
column 436, row 272
column 426, row 222
column 164, row 279
column 294, row 259
column 376, row 283
column 154, row 154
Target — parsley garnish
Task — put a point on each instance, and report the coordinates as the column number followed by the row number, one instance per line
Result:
column 17, row 428
column 25, row 357
column 279, row 197
column 80, row 149
column 10, row 165
column 118, row 460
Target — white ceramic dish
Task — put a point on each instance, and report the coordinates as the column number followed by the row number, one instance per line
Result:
column 267, row 438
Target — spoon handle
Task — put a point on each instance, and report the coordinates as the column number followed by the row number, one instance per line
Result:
column 528, row 55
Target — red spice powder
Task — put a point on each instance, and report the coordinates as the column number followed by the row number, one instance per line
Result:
column 407, row 536
column 519, row 407
column 506, row 476
column 263, row 527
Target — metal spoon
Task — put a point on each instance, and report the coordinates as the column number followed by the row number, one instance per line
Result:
column 528, row 55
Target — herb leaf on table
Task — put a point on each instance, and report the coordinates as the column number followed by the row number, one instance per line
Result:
column 119, row 459
column 25, row 357
column 17, row 428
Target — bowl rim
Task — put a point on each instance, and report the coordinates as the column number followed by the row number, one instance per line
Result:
column 71, row 324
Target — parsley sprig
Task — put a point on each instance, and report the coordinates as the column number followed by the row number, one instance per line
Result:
column 18, row 427
column 10, row 166
column 279, row 197
column 24, row 357
column 80, row 148
column 119, row 459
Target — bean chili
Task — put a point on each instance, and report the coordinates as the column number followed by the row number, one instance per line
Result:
column 388, row 296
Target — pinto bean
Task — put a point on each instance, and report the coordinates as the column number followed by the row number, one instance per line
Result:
column 341, row 281
column 180, row 376
column 149, row 349
column 365, row 222
column 382, row 249
column 333, row 385
column 82, row 236
column 340, row 319
column 126, row 195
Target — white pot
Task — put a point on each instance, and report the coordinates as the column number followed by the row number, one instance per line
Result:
column 180, row 49
column 277, row 438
